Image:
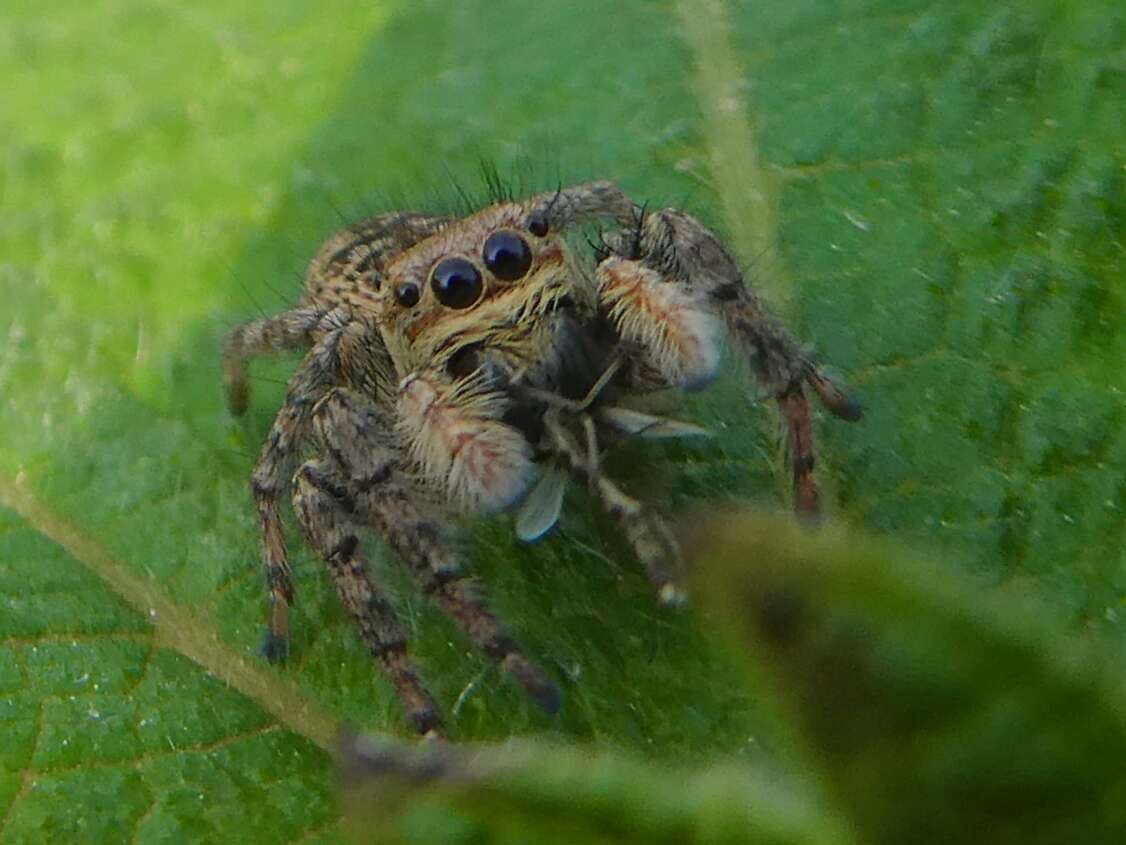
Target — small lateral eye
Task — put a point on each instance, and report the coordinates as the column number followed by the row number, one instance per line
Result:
column 456, row 283
column 406, row 294
column 537, row 224
column 507, row 255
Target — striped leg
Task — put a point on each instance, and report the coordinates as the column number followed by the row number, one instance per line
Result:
column 288, row 330
column 271, row 479
column 357, row 434
column 785, row 370
column 652, row 542
column 321, row 505
column 668, row 285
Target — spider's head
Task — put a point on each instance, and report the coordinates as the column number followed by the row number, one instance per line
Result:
column 496, row 270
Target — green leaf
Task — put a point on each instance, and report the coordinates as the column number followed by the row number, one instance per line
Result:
column 110, row 734
column 952, row 209
column 544, row 792
column 934, row 193
column 938, row 712
column 927, row 709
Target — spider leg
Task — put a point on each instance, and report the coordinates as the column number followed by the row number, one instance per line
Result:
column 322, row 504
column 288, row 330
column 786, row 370
column 559, row 210
column 272, row 476
column 672, row 291
column 356, row 433
column 653, row 544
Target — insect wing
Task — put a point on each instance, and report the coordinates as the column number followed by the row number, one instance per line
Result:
column 540, row 510
column 637, row 424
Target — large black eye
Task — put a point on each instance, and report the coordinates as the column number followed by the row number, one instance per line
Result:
column 507, row 256
column 456, row 283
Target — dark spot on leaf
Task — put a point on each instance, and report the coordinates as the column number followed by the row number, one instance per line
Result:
column 779, row 615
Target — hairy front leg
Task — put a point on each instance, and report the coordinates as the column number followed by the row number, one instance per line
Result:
column 322, row 505
column 672, row 291
column 453, row 429
column 359, row 435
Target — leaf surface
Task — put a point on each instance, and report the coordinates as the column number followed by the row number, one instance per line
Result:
column 932, row 193
column 935, row 712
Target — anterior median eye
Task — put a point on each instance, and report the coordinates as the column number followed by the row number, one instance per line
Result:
column 507, row 255
column 456, row 283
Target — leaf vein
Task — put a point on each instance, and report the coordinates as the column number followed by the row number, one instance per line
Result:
column 175, row 627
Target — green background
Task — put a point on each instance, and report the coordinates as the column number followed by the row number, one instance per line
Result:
column 933, row 195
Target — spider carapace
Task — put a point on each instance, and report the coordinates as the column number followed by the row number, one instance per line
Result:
column 475, row 364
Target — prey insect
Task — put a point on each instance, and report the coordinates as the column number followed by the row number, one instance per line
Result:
column 472, row 365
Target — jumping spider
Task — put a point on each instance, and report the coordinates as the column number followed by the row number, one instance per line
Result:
column 460, row 366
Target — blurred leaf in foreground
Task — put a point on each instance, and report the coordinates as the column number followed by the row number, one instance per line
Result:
column 550, row 793
column 938, row 712
column 933, row 711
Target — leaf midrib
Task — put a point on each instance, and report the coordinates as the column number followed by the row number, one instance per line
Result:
column 176, row 628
